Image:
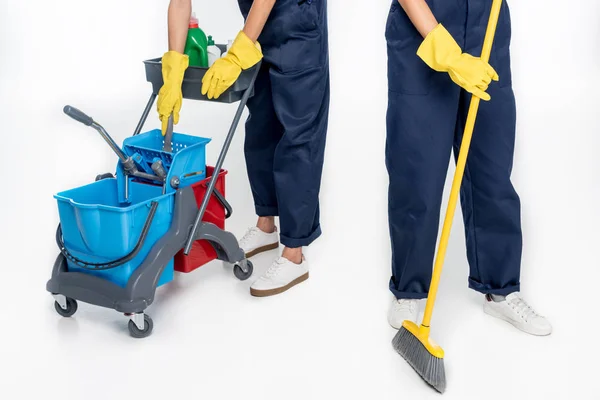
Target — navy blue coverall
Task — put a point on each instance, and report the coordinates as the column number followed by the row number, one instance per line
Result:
column 287, row 126
column 425, row 121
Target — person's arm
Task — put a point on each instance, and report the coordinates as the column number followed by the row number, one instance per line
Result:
column 259, row 13
column 180, row 12
column 174, row 62
column 420, row 15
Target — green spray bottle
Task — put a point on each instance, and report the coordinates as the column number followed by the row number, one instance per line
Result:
column 196, row 45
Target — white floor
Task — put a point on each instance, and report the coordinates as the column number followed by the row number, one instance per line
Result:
column 327, row 338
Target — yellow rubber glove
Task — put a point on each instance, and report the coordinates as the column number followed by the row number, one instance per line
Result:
column 440, row 52
column 243, row 54
column 170, row 97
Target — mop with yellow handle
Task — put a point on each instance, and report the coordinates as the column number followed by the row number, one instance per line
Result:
column 412, row 342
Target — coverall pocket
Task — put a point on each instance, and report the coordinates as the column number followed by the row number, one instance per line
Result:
column 301, row 38
column 407, row 73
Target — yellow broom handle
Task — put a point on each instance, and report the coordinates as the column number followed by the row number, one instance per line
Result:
column 460, row 168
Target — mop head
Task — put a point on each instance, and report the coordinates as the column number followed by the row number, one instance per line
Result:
column 417, row 349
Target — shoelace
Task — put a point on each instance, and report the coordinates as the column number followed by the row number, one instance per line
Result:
column 522, row 308
column 404, row 304
column 275, row 268
column 249, row 235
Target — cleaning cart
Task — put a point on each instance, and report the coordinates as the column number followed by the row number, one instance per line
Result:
column 163, row 210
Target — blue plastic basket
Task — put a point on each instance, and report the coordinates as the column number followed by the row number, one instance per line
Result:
column 96, row 228
column 187, row 161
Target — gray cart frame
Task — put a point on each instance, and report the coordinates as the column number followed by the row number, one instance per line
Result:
column 186, row 227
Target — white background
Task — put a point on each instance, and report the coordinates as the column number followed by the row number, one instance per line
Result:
column 327, row 338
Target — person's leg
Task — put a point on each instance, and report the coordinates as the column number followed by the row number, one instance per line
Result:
column 300, row 89
column 263, row 133
column 490, row 204
column 421, row 115
column 301, row 100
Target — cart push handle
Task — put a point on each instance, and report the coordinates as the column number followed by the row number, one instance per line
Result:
column 220, row 160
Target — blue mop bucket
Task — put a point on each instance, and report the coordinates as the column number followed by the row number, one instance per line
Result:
column 97, row 228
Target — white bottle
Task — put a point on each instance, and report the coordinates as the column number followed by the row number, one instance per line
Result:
column 229, row 44
column 214, row 53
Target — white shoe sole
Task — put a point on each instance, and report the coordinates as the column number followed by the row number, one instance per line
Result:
column 488, row 309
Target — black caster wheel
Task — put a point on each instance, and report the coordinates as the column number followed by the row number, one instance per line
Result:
column 139, row 334
column 70, row 310
column 108, row 175
column 240, row 274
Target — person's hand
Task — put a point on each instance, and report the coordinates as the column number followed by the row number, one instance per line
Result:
column 170, row 97
column 243, row 54
column 440, row 52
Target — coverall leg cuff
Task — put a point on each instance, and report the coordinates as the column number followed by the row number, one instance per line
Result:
column 408, row 295
column 295, row 242
column 266, row 211
column 487, row 289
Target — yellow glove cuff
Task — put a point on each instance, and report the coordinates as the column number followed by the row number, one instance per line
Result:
column 245, row 53
column 174, row 65
column 439, row 49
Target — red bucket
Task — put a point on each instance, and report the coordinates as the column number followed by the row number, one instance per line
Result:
column 202, row 251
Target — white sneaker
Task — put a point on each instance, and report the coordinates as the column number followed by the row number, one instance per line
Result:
column 281, row 275
column 401, row 310
column 516, row 311
column 256, row 241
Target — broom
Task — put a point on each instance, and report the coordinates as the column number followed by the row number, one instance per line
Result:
column 412, row 342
